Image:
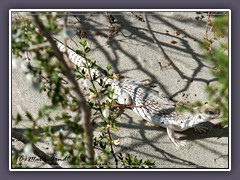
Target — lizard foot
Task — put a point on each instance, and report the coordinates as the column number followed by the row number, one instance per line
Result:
column 179, row 143
column 171, row 135
column 200, row 129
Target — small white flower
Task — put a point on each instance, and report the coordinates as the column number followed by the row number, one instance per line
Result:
column 106, row 112
column 37, row 30
column 95, row 73
column 28, row 148
column 92, row 97
column 116, row 142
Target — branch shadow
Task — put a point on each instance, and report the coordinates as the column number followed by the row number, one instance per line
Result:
column 136, row 34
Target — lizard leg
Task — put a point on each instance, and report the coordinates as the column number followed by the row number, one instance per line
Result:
column 171, row 135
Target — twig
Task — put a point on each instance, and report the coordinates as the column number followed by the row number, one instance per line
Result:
column 111, row 19
column 38, row 46
column 207, row 24
column 85, row 109
column 112, row 28
column 112, row 150
column 65, row 29
column 139, row 106
column 163, row 67
column 138, row 17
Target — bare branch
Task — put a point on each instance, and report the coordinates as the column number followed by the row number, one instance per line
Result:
column 67, row 71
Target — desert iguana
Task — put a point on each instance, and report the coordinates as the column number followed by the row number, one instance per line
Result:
column 149, row 104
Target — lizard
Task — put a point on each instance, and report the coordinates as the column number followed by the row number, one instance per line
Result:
column 149, row 104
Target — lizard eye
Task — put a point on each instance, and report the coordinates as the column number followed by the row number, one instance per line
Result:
column 211, row 113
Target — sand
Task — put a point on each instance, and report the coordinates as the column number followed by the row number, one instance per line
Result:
column 164, row 48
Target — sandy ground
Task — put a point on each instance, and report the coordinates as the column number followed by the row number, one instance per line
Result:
column 164, row 48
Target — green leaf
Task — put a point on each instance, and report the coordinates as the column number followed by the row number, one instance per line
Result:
column 220, row 25
column 31, row 136
column 104, row 119
column 48, row 129
column 103, row 91
column 87, row 50
column 120, row 156
column 83, row 71
column 149, row 162
column 105, row 72
column 109, row 67
column 46, row 110
column 103, row 145
column 61, row 136
column 94, row 77
column 19, row 117
column 114, row 129
column 82, row 53
column 78, row 77
column 93, row 64
column 83, row 43
column 29, row 116
column 101, row 82
column 100, row 128
column 74, row 127
column 92, row 90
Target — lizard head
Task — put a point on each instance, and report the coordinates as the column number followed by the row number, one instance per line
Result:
column 198, row 115
column 206, row 112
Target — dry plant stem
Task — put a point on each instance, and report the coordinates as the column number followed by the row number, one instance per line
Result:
column 85, row 109
column 207, row 24
column 38, row 46
column 46, row 158
column 109, row 134
column 65, row 29
column 144, row 105
column 112, row 150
